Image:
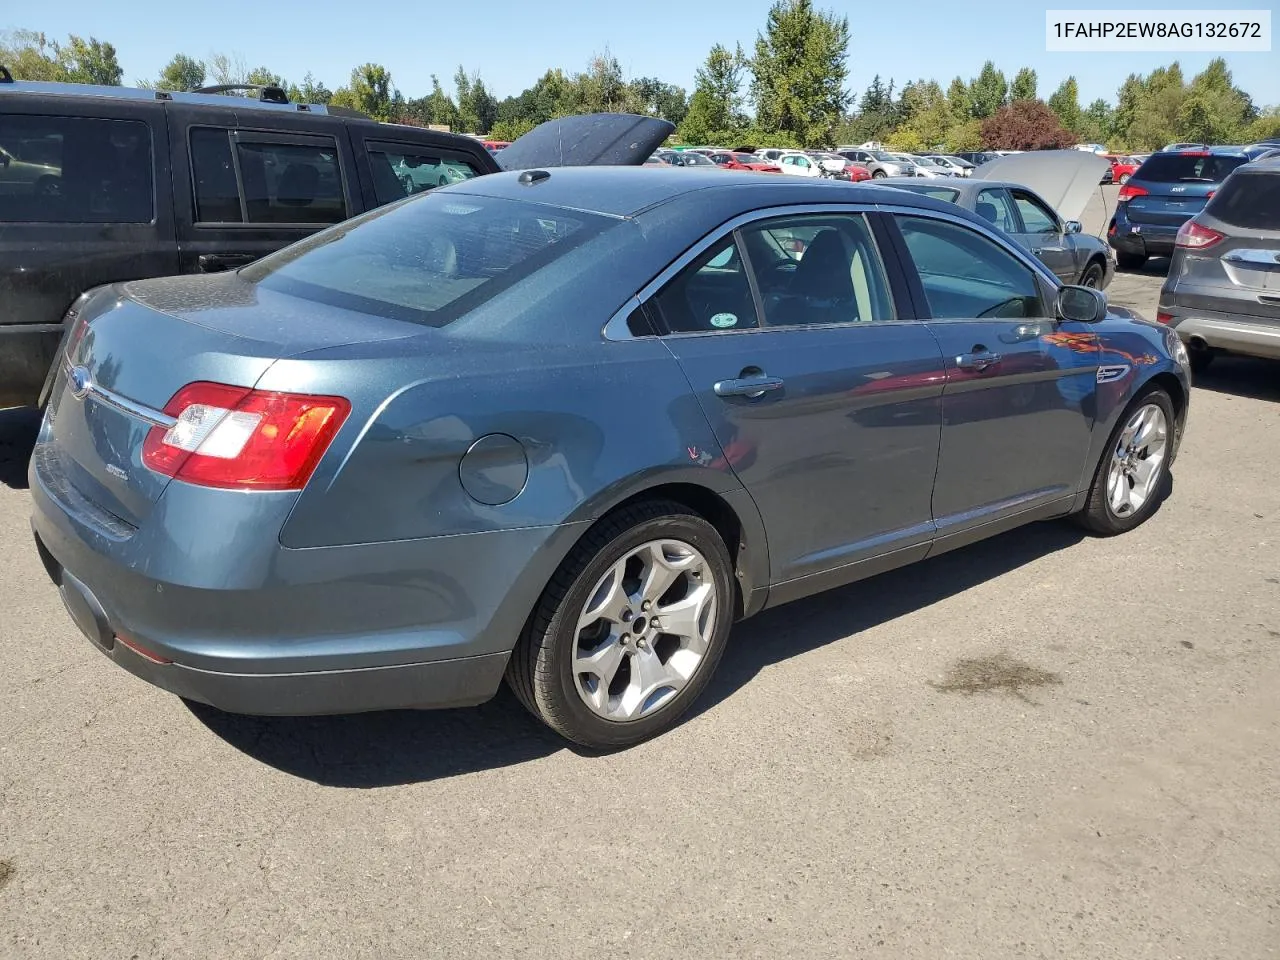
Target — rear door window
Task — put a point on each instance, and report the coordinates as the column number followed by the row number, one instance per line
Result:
column 75, row 170
column 711, row 294
column 400, row 170
column 243, row 177
column 1249, row 201
column 1187, row 168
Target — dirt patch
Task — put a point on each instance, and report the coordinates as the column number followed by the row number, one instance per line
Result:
column 7, row 870
column 996, row 674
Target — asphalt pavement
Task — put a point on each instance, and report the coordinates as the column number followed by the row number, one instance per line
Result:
column 1046, row 745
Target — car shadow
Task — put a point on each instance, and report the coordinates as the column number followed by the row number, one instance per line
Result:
column 401, row 747
column 1155, row 267
column 18, row 429
column 1250, row 377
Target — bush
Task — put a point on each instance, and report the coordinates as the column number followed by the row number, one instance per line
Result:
column 1026, row 125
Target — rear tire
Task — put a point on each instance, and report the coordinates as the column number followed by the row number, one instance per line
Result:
column 1093, row 276
column 1131, row 261
column 1133, row 474
column 630, row 646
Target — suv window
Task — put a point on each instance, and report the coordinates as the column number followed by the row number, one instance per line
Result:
column 966, row 275
column 712, row 293
column 1248, row 200
column 252, row 179
column 75, row 170
column 1187, row 168
column 401, row 171
column 1036, row 218
column 818, row 269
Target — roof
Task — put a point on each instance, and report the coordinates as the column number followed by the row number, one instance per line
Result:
column 627, row 191
column 137, row 94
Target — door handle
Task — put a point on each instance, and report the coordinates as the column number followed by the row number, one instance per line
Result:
column 216, row 262
column 980, row 360
column 752, row 385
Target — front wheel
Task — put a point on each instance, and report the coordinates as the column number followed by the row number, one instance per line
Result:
column 630, row 629
column 1131, row 477
column 878, row 175
column 1093, row 276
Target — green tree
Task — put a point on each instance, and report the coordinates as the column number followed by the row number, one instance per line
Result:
column 988, row 93
column 965, row 136
column 311, row 91
column 31, row 56
column 1216, row 110
column 799, row 70
column 926, row 117
column 511, row 129
column 877, row 113
column 600, row 89
column 1095, row 122
column 659, row 99
column 1128, row 104
column 1155, row 122
column 228, row 68
column 1024, row 85
column 264, row 77
column 91, row 61
column 369, row 91
column 715, row 109
column 1265, row 127
column 1065, row 102
column 959, row 100
column 181, row 73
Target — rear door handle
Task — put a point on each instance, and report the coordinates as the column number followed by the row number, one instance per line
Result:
column 979, row 360
column 750, row 386
column 216, row 262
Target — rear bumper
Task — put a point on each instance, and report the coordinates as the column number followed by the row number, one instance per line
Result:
column 415, row 624
column 1226, row 331
column 1143, row 239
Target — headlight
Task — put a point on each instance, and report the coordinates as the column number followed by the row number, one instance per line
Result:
column 1178, row 350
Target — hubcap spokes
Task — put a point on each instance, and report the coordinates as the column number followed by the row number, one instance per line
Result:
column 1137, row 460
column 645, row 630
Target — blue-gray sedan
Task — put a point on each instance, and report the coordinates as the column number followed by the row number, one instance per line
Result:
column 566, row 427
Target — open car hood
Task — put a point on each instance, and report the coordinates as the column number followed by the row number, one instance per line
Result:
column 1063, row 178
column 593, row 139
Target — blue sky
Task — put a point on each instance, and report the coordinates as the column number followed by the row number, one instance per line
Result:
column 512, row 43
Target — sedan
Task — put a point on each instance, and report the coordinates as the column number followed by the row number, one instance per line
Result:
column 565, row 426
column 728, row 160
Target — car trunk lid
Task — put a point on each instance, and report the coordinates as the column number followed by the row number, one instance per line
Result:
column 594, row 139
column 132, row 353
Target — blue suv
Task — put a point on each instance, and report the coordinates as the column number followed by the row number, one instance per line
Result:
column 1164, row 193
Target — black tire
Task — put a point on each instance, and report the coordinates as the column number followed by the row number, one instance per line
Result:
column 1130, row 261
column 878, row 175
column 539, row 671
column 1200, row 358
column 49, row 187
column 1093, row 276
column 1097, row 516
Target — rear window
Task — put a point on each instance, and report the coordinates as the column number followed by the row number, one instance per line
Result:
column 1187, row 168
column 1248, row 200
column 946, row 194
column 75, row 170
column 427, row 261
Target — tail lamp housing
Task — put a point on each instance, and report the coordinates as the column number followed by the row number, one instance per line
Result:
column 1196, row 236
column 243, row 439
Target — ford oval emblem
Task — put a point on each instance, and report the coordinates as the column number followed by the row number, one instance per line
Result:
column 79, row 380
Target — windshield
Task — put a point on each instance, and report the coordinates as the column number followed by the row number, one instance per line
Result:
column 926, row 162
column 428, row 260
column 697, row 160
column 1187, row 168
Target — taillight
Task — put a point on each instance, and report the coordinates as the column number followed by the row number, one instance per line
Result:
column 1196, row 236
column 235, row 437
column 1163, row 317
column 1131, row 190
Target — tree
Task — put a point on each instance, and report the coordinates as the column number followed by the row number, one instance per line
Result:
column 511, row 129
column 91, row 61
column 715, row 109
column 181, row 73
column 1026, row 125
column 799, row 70
column 958, row 98
column 1065, row 102
column 1024, row 85
column 1265, row 127
column 601, row 88
column 264, row 77
column 311, row 91
column 965, row 136
column 988, row 93
column 1215, row 111
column 659, row 99
column 1128, row 103
column 877, row 113
column 369, row 91
column 228, row 68
column 31, row 56
column 926, row 117
column 1155, row 122
column 1095, row 122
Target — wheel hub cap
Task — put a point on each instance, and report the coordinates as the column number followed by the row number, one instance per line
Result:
column 625, row 665
column 1138, row 460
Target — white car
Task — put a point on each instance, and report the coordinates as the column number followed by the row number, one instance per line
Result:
column 927, row 167
column 799, row 164
column 958, row 167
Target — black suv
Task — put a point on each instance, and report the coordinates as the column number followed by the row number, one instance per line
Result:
column 106, row 184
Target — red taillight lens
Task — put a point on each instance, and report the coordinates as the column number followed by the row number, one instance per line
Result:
column 1129, row 191
column 234, row 437
column 1163, row 317
column 1196, row 236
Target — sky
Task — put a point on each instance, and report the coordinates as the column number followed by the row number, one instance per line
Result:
column 512, row 42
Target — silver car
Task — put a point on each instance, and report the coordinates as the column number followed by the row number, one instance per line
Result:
column 1223, row 290
column 880, row 164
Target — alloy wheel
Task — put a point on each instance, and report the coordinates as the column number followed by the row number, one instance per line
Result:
column 645, row 630
column 1137, row 461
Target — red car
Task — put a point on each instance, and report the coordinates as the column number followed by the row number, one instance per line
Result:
column 1122, row 168
column 742, row 161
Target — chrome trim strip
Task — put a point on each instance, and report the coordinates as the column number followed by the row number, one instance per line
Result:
column 109, row 398
column 616, row 329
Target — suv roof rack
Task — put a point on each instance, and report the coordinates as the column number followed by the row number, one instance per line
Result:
column 266, row 92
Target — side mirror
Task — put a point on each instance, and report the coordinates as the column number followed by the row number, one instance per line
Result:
column 1081, row 304
column 1075, row 226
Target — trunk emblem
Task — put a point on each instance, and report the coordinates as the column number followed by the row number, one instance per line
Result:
column 79, row 382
